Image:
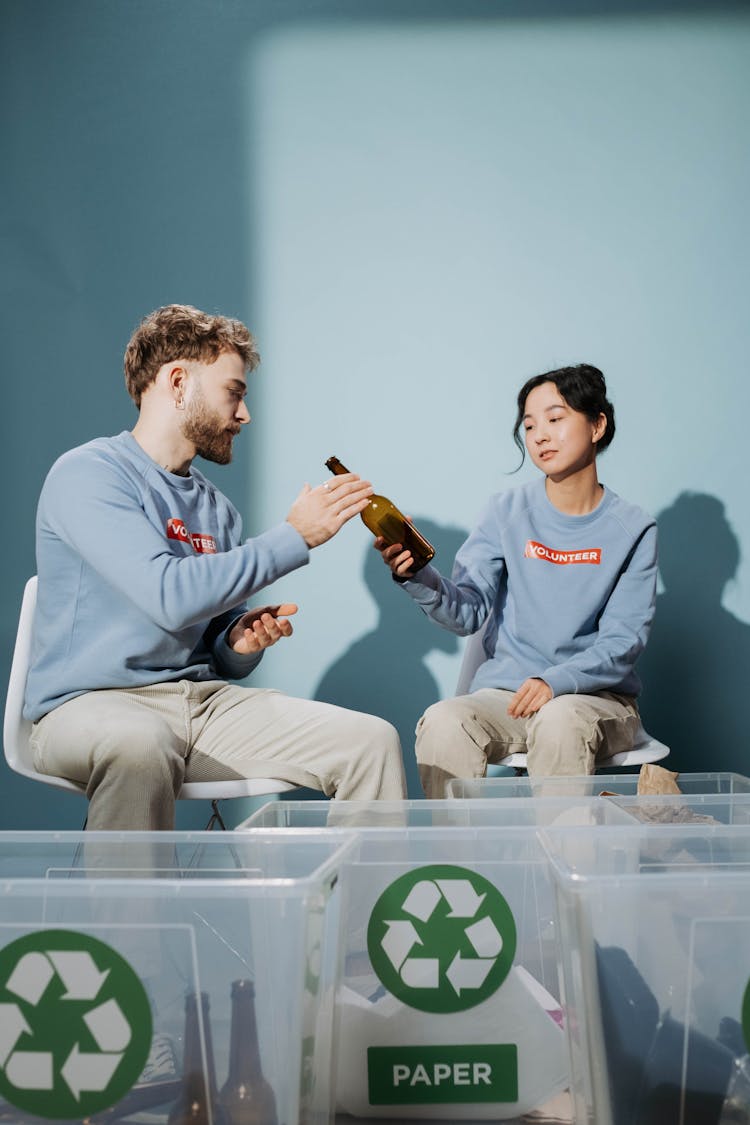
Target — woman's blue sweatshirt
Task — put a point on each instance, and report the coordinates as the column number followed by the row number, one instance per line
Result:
column 570, row 598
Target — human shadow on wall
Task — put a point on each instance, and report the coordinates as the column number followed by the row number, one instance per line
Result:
column 696, row 665
column 384, row 672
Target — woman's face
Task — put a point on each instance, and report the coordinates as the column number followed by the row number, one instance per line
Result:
column 560, row 440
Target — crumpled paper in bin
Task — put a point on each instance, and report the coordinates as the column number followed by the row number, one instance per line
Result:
column 657, row 781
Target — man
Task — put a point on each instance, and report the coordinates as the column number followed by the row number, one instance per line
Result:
column 142, row 616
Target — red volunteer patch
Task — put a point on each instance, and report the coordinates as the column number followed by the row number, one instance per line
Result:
column 176, row 530
column 534, row 550
column 202, row 544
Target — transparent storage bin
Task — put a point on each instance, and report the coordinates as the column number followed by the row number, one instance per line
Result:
column 625, row 784
column 103, row 937
column 654, row 931
column 448, row 1007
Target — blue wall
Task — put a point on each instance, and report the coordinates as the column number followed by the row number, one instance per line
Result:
column 415, row 210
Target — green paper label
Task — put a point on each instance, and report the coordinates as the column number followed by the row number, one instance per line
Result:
column 447, row 1075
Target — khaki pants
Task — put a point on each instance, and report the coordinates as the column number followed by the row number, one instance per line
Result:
column 133, row 748
column 459, row 736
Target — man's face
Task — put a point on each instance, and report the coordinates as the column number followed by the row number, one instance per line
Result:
column 215, row 407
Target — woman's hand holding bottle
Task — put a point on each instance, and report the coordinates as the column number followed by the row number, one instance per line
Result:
column 394, row 555
column 390, row 526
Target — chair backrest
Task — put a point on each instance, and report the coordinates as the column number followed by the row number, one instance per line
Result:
column 17, row 729
column 645, row 748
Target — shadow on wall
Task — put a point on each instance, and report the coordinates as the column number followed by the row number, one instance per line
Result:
column 384, row 672
column 696, row 665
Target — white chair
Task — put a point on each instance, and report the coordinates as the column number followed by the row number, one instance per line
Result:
column 645, row 748
column 17, row 729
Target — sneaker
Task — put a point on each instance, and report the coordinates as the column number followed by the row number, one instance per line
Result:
column 161, row 1064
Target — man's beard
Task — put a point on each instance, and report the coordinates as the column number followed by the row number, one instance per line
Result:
column 208, row 433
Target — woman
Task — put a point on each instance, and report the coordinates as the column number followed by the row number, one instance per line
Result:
column 566, row 572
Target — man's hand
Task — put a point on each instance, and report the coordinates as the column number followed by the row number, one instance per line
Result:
column 530, row 698
column 318, row 513
column 394, row 556
column 261, row 628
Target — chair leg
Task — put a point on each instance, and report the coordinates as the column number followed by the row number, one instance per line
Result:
column 216, row 817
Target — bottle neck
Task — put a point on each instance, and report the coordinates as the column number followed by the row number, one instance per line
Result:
column 244, row 1050
column 193, row 1055
column 336, row 467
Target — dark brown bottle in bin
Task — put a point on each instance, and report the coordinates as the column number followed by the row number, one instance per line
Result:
column 198, row 1100
column 382, row 517
column 246, row 1097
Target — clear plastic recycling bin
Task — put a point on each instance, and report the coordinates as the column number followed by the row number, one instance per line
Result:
column 654, row 927
column 121, row 953
column 448, row 1006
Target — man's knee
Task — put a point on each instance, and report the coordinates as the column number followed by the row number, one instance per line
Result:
column 368, row 765
column 140, row 757
column 381, row 739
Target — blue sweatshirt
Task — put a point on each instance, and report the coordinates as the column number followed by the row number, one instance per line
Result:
column 570, row 598
column 141, row 572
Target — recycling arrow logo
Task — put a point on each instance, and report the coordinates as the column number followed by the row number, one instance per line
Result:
column 75, row 1024
column 441, row 938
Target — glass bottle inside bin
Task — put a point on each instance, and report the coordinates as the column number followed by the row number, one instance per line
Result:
column 197, row 1103
column 382, row 517
column 246, row 1097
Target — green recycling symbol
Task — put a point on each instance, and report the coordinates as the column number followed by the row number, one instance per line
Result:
column 441, row 938
column 75, row 1024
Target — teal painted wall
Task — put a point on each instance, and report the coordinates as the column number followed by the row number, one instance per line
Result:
column 414, row 209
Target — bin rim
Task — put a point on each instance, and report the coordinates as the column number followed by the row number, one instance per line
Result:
column 324, row 872
column 699, row 873
column 204, row 836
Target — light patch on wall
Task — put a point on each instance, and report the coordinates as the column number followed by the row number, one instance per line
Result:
column 442, row 210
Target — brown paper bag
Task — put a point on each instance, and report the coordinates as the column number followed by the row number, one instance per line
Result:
column 655, row 779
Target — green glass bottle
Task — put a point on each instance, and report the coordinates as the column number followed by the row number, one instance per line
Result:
column 382, row 517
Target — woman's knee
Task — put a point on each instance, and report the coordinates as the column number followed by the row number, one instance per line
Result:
column 442, row 730
column 564, row 716
column 562, row 739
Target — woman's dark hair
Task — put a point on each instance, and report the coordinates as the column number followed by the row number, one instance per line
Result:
column 584, row 389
